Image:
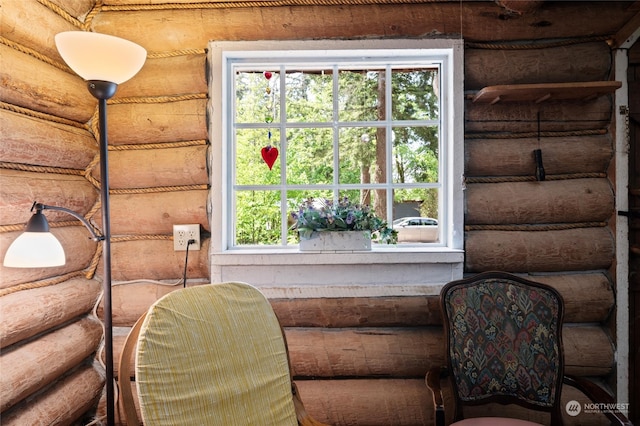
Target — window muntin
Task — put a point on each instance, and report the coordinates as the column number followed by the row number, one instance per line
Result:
column 302, row 131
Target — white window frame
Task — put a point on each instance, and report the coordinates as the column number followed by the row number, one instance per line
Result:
column 230, row 262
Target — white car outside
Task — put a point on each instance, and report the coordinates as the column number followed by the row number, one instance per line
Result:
column 416, row 229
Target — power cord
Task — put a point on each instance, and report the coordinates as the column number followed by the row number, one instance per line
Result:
column 186, row 259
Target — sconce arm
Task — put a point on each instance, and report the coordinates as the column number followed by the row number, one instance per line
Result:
column 39, row 207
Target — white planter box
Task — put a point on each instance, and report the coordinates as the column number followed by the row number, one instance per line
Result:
column 337, row 241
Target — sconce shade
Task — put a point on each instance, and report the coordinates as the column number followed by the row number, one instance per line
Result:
column 36, row 247
column 101, row 57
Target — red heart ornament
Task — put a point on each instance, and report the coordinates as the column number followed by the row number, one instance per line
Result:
column 269, row 155
column 267, row 75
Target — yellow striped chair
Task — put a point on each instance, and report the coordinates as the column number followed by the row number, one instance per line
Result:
column 211, row 355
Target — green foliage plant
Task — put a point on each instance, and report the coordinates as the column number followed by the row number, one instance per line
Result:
column 321, row 215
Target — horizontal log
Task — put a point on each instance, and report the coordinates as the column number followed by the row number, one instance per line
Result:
column 161, row 262
column 588, row 350
column 158, row 77
column 368, row 402
column 514, row 157
column 31, row 140
column 33, row 84
column 365, row 402
column 79, row 251
column 588, row 298
column 409, row 402
column 358, row 311
column 29, row 312
column 487, row 67
column 175, row 29
column 30, row 367
column 365, row 352
column 521, row 6
column 65, row 402
column 513, row 118
column 130, row 301
column 156, row 213
column 76, row 8
column 152, row 168
column 567, row 201
column 406, row 351
column 192, row 29
column 367, row 396
column 43, row 24
column 583, row 249
column 135, row 123
column 18, row 191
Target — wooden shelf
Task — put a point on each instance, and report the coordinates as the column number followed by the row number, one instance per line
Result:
column 546, row 91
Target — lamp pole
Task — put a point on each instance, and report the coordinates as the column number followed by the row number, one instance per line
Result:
column 103, row 90
column 103, row 61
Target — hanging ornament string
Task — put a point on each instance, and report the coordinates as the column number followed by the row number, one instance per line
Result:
column 269, row 152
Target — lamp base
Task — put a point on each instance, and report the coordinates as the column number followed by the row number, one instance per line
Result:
column 102, row 89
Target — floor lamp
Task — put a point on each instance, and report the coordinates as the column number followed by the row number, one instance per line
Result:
column 104, row 61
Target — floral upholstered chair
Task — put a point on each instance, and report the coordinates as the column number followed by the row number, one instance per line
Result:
column 211, row 355
column 504, row 345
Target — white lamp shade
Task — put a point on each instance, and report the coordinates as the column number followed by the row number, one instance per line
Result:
column 103, row 57
column 35, row 250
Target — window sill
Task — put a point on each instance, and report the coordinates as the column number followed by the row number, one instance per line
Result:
column 378, row 255
column 389, row 271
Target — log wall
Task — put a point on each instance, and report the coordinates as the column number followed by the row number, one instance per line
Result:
column 48, row 152
column 362, row 360
column 358, row 361
column 558, row 225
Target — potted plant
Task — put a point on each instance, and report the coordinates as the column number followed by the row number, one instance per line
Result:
column 323, row 219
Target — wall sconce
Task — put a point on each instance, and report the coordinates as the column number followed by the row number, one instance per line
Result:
column 36, row 247
column 104, row 61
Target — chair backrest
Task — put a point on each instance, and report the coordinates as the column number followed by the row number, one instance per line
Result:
column 213, row 355
column 504, row 342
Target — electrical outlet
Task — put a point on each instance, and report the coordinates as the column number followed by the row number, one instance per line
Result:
column 182, row 234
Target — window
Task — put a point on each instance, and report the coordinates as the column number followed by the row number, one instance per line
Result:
column 379, row 122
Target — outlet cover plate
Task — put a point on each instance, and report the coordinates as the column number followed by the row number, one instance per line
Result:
column 183, row 233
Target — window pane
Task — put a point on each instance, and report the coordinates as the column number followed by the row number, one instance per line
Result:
column 309, row 96
column 362, row 154
column 257, row 218
column 415, row 95
column 374, row 198
column 250, row 166
column 309, row 156
column 257, row 97
column 415, row 154
column 415, row 214
column 361, row 95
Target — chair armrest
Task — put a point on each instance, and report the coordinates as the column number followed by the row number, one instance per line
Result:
column 124, row 366
column 598, row 395
column 304, row 419
column 433, row 383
